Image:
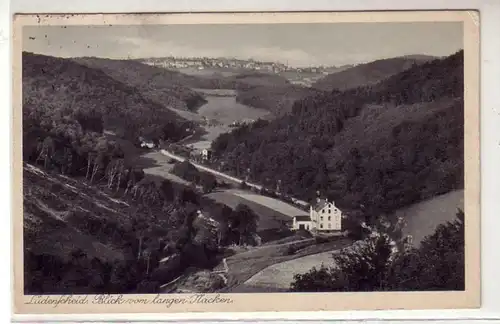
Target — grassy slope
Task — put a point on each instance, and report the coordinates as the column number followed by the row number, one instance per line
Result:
column 368, row 73
column 243, row 266
column 280, row 275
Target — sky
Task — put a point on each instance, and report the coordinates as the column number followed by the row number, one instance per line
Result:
column 293, row 44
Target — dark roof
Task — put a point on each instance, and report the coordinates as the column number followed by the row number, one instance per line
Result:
column 320, row 205
column 302, row 218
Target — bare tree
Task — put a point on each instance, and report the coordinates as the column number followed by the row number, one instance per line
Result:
column 46, row 149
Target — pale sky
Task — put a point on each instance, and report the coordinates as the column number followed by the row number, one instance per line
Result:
column 298, row 44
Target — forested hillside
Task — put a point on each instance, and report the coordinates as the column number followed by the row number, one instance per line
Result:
column 278, row 99
column 382, row 146
column 169, row 88
column 104, row 236
column 58, row 91
column 368, row 73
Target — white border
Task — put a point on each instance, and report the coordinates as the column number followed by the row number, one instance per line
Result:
column 490, row 137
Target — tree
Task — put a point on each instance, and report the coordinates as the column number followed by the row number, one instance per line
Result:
column 167, row 189
column 187, row 171
column 114, row 172
column 243, row 223
column 362, row 267
column 376, row 264
column 438, row 264
column 47, row 148
column 223, row 225
column 208, row 182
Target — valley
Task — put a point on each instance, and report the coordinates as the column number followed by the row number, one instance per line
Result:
column 177, row 173
column 217, row 114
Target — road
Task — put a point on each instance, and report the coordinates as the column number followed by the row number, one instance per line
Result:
column 220, row 174
column 209, row 170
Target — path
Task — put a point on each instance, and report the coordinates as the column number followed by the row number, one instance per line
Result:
column 220, row 174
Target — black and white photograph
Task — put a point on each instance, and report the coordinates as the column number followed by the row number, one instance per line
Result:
column 243, row 158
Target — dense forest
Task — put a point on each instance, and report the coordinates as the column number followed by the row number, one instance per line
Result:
column 60, row 89
column 278, row 99
column 382, row 146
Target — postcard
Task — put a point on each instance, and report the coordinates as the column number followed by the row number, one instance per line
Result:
column 243, row 162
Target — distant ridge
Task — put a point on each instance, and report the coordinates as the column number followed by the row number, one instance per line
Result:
column 369, row 73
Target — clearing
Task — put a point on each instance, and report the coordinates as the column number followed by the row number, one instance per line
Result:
column 275, row 204
column 244, row 266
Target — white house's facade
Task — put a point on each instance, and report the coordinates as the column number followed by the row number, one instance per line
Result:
column 206, row 154
column 324, row 216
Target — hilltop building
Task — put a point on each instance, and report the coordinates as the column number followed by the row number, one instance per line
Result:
column 324, row 216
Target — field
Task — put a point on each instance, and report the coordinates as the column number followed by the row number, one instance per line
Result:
column 277, row 205
column 244, row 266
column 424, row 217
column 280, row 275
column 269, row 218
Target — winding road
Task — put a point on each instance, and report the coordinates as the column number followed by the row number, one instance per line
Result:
column 220, row 174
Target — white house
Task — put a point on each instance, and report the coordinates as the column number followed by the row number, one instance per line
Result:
column 324, row 216
column 206, row 154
